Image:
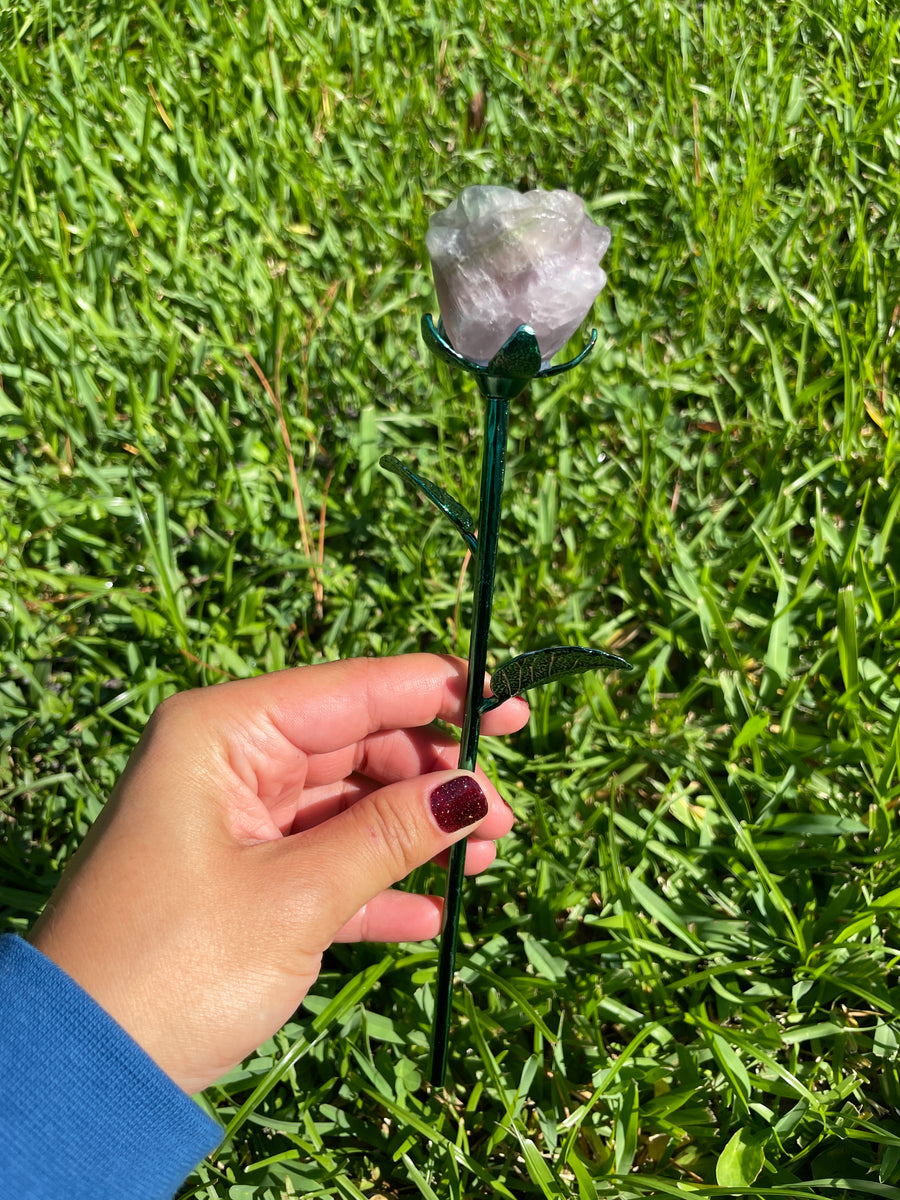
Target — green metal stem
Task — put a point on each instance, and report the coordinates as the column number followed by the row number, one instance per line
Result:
column 493, row 463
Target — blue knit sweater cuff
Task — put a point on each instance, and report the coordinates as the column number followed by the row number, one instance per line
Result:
column 85, row 1113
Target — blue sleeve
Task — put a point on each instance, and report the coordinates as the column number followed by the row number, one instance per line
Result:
column 84, row 1112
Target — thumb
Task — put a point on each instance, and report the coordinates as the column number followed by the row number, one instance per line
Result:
column 344, row 863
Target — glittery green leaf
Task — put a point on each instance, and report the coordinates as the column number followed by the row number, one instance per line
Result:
column 538, row 667
column 458, row 513
column 519, row 357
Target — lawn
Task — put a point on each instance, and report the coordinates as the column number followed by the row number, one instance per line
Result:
column 680, row 977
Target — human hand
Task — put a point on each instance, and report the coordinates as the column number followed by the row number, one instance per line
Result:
column 256, row 823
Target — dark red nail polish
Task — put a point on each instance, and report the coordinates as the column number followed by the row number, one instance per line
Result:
column 457, row 803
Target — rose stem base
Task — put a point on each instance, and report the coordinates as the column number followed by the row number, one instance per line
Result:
column 493, row 465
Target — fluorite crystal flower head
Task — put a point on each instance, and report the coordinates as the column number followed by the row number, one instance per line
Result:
column 502, row 259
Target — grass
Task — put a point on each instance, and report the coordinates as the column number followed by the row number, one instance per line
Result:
column 681, row 975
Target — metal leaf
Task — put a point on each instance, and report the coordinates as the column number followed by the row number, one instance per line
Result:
column 435, row 337
column 538, row 667
column 458, row 513
column 519, row 357
column 573, row 362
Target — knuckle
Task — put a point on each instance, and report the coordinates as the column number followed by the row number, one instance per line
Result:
column 169, row 719
column 172, row 709
column 390, row 834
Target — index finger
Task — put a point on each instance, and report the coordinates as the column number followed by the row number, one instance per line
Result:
column 329, row 706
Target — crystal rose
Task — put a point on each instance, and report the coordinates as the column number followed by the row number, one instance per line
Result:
column 503, row 258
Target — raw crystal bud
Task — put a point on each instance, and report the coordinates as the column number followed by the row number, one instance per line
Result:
column 503, row 258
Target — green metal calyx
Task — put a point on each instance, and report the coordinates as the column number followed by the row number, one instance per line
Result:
column 573, row 362
column 518, row 358
column 515, row 364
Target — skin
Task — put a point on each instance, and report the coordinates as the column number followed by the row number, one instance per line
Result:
column 256, row 823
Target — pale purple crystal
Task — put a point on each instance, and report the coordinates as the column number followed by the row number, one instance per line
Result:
column 503, row 258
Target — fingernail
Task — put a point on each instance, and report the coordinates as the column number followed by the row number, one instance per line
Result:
column 457, row 803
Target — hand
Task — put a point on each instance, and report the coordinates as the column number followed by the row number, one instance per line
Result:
column 256, row 823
